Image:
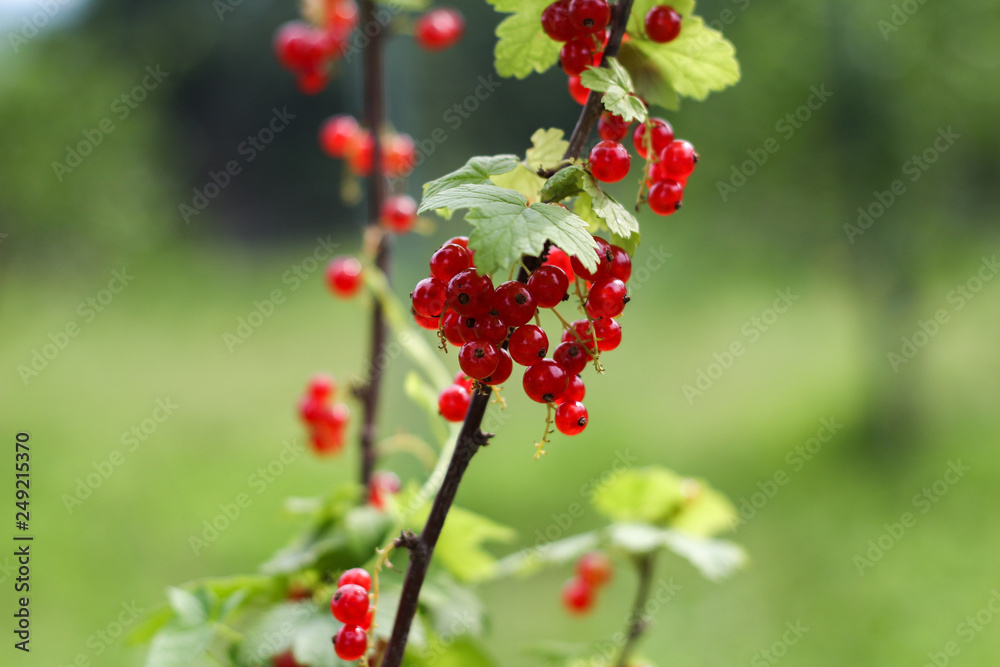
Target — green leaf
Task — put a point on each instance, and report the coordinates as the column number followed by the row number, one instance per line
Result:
column 561, row 551
column 476, row 170
column 523, row 47
column 464, row 652
column 618, row 219
column 566, row 182
column 178, row 645
column 154, row 621
column 507, row 228
column 274, row 631
column 547, row 149
column 453, row 609
column 698, row 62
column 312, row 643
column 616, row 84
column 523, row 180
column 705, row 512
column 388, row 605
column 715, row 559
column 629, row 244
column 650, row 495
column 190, row 610
column 460, row 547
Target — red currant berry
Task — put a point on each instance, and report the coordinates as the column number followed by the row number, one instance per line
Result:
column 609, row 161
column 463, row 380
column 578, row 597
column 611, row 127
column 575, row 392
column 589, row 16
column 660, row 137
column 545, row 381
column 577, row 90
column 581, row 331
column 448, row 260
column 528, row 345
column 467, row 328
column 350, row 604
column 430, row 297
column 459, row 240
column 514, row 303
column 571, row 418
column 312, row 81
column 424, row 322
column 322, row 387
column 604, row 260
column 295, row 47
column 336, row 134
column 504, row 368
column 399, row 155
column 575, row 56
column 359, row 153
column 439, row 29
column 621, row 264
column 595, row 568
column 555, row 22
column 286, row 659
column 453, row 402
column 665, row 197
column 342, row 15
column 368, row 620
column 607, row 299
column 491, row 328
column 548, row 285
column 557, row 257
column 470, row 293
column 663, row 24
column 451, row 327
column 311, row 409
column 479, row 358
column 678, row 159
column 351, row 642
column 572, row 356
column 399, row 212
column 357, row 576
column 609, row 334
column 343, row 276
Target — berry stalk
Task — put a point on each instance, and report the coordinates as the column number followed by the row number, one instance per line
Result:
column 637, row 617
column 372, row 75
column 471, row 437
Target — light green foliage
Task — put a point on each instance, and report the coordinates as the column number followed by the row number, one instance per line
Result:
column 460, row 547
column 616, row 84
column 522, row 46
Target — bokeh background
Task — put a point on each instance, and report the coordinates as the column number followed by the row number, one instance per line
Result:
column 929, row 253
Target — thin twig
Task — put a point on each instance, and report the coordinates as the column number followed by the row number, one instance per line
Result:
column 637, row 618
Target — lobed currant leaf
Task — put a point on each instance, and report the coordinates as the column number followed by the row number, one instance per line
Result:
column 616, row 84
column 477, row 170
column 698, row 62
column 523, row 47
column 506, row 227
column 618, row 219
column 547, row 149
column 523, row 180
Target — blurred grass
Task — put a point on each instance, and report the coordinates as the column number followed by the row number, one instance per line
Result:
column 162, row 338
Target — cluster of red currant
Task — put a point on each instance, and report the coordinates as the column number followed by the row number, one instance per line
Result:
column 582, row 27
column 491, row 324
column 342, row 137
column 350, row 605
column 593, row 571
column 671, row 161
column 325, row 420
column 309, row 51
column 343, row 276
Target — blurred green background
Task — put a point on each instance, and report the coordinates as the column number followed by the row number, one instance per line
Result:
column 928, row 254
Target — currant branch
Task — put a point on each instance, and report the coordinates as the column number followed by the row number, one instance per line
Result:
column 471, row 438
column 637, row 618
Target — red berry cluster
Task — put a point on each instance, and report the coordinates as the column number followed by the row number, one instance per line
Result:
column 671, row 161
column 492, row 326
column 582, row 27
column 350, row 605
column 325, row 420
column 309, row 51
column 593, row 571
column 342, row 137
column 343, row 276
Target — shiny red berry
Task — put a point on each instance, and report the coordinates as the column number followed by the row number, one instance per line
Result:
column 467, row 328
column 351, row 642
column 556, row 257
column 555, row 22
column 663, row 24
column 572, row 356
column 491, row 328
column 578, row 597
column 505, row 366
column 451, row 324
column 575, row 391
column 453, row 402
column 607, row 298
column 582, row 331
column 604, row 260
column 528, row 345
column 439, row 29
column 678, row 159
column 595, row 568
column 609, row 161
column 429, row 297
column 660, row 136
column 448, row 260
column 577, row 90
column 350, row 604
column 589, row 16
column 514, row 303
column 343, row 276
column 609, row 334
column 399, row 212
column 571, row 418
column 296, row 47
column 611, row 127
column 545, row 381
column 621, row 264
column 357, row 576
column 665, row 197
column 479, row 358
column 548, row 285
column 336, row 134
column 576, row 55
column 470, row 293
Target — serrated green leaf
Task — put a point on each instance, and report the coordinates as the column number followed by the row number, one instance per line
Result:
column 649, row 495
column 618, row 219
column 616, row 84
column 698, row 62
column 523, row 180
column 547, row 149
column 566, row 182
column 506, row 228
column 522, row 45
column 476, row 170
column 178, row 645
column 188, row 607
column 460, row 547
column 584, row 207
